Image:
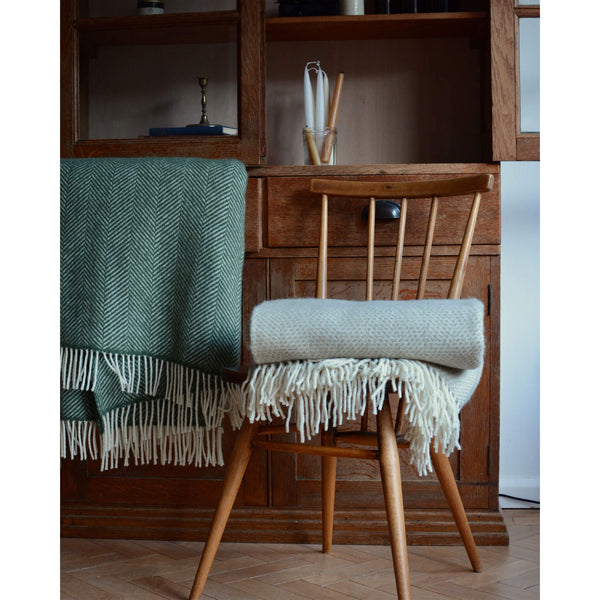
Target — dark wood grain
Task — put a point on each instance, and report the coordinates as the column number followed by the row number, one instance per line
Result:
column 274, row 525
column 293, row 218
column 504, row 92
column 368, row 27
column 176, row 28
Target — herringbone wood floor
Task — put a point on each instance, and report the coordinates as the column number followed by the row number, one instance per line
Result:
column 147, row 570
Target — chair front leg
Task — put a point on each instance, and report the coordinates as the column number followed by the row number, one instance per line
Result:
column 328, row 473
column 443, row 470
column 242, row 451
column 389, row 463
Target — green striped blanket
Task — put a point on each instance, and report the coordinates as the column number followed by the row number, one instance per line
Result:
column 151, row 267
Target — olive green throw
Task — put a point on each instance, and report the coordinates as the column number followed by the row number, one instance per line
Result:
column 151, row 268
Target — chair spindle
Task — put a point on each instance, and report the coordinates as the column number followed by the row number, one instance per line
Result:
column 460, row 268
column 371, row 249
column 399, row 250
column 427, row 248
column 322, row 264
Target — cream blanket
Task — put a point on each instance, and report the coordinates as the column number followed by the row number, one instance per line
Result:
column 324, row 360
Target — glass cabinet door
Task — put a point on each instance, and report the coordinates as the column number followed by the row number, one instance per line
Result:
column 515, row 70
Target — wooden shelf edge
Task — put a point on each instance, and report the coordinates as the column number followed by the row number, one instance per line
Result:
column 175, row 28
column 381, row 169
column 374, row 26
column 205, row 146
column 156, row 21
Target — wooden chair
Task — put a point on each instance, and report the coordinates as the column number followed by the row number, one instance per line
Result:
column 383, row 444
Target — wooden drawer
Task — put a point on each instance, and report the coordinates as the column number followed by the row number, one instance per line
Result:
column 253, row 225
column 293, row 216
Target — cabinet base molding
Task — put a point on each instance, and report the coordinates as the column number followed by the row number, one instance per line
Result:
column 359, row 526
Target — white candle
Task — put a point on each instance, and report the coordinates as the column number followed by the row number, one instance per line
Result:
column 320, row 103
column 326, row 94
column 308, row 100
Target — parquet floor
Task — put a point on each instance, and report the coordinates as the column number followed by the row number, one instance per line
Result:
column 149, row 570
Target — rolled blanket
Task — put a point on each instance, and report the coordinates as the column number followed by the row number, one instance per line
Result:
column 151, row 262
column 325, row 359
column 445, row 332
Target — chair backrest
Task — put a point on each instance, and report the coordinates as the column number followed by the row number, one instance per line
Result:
column 469, row 188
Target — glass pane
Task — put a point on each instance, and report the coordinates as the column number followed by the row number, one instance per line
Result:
column 529, row 74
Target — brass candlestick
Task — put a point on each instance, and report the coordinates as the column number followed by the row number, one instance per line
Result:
column 203, row 81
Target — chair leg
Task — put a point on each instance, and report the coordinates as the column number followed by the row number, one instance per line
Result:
column 242, row 451
column 389, row 463
column 328, row 472
column 442, row 467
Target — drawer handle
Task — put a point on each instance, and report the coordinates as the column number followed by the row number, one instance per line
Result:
column 384, row 209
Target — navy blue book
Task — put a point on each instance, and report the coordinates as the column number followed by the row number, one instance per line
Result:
column 194, row 130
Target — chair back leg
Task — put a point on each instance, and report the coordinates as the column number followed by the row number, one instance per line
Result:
column 443, row 470
column 242, row 451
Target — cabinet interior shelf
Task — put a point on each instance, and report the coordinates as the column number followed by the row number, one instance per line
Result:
column 366, row 27
column 226, row 146
column 222, row 26
column 177, row 28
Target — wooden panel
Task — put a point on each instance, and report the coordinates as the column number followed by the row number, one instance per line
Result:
column 255, row 291
column 354, row 269
column 528, row 146
column 251, row 83
column 494, row 390
column 253, row 224
column 475, row 416
column 504, row 92
column 359, row 526
column 69, row 89
column 161, row 485
column 293, row 217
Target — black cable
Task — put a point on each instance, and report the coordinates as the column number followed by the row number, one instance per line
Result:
column 521, row 499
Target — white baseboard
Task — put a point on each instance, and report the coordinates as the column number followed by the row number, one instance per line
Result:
column 519, row 487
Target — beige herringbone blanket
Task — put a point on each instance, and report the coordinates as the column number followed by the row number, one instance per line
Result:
column 325, row 361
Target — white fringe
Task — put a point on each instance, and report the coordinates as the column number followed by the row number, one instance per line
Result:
column 176, row 443
column 78, row 368
column 189, row 393
column 324, row 393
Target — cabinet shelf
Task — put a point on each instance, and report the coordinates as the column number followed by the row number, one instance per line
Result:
column 177, row 28
column 364, row 27
column 221, row 146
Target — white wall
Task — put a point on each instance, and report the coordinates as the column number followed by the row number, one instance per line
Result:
column 520, row 333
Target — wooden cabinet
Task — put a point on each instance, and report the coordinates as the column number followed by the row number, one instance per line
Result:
column 418, row 100
column 125, row 64
column 510, row 142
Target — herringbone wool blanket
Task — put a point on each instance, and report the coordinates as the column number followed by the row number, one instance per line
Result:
column 325, row 360
column 151, row 263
